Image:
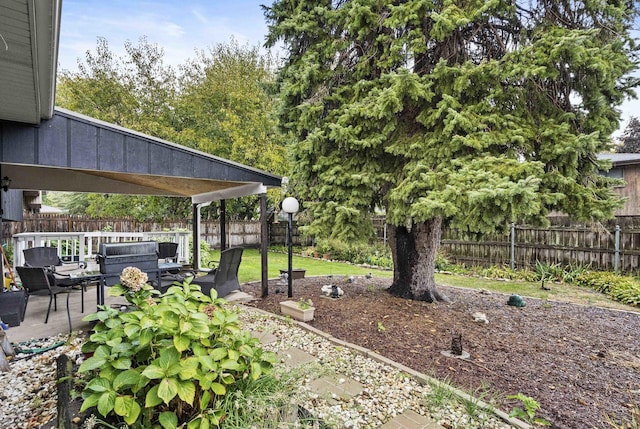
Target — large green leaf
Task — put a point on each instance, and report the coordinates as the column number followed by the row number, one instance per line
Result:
column 205, row 398
column 90, row 401
column 168, row 420
column 146, row 336
column 181, row 342
column 152, row 399
column 153, row 372
column 186, row 391
column 218, row 389
column 168, row 389
column 219, row 353
column 122, row 363
column 189, row 367
column 106, row 402
column 99, row 385
column 94, row 362
column 230, row 364
column 127, row 407
column 126, row 378
column 256, row 370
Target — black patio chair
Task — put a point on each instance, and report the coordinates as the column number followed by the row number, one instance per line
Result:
column 168, row 251
column 47, row 258
column 168, row 254
column 35, row 281
column 224, row 278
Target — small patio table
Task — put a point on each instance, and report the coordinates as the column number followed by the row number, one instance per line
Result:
column 85, row 277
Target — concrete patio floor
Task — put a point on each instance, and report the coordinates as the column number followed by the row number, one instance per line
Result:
column 33, row 325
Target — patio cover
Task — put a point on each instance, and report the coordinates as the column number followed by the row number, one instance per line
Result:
column 76, row 153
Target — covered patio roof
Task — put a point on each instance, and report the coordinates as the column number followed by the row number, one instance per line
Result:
column 76, row 153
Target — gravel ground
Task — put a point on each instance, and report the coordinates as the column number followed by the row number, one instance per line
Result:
column 29, row 396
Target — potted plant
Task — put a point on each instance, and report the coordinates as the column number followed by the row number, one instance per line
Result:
column 302, row 309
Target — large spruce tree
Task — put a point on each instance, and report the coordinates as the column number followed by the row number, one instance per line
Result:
column 469, row 113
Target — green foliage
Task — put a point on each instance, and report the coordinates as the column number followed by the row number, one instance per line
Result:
column 480, row 113
column 220, row 103
column 548, row 272
column 170, row 360
column 304, row 304
column 631, row 137
column 621, row 288
column 8, row 252
column 528, row 414
column 376, row 255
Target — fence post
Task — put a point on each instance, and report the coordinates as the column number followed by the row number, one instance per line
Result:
column 616, row 260
column 513, row 246
column 384, row 237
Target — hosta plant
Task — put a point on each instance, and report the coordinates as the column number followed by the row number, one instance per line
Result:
column 169, row 361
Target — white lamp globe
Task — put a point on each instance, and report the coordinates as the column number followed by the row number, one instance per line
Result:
column 290, row 205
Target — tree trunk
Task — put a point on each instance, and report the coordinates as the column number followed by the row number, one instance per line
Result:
column 414, row 260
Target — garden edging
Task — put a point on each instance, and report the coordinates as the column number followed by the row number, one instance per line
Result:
column 417, row 376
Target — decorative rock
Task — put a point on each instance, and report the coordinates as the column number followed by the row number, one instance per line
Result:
column 480, row 317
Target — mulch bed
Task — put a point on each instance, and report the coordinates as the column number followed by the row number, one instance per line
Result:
column 581, row 363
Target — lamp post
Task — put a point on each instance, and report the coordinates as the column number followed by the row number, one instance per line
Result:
column 290, row 206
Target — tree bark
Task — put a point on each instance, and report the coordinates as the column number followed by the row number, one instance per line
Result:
column 414, row 260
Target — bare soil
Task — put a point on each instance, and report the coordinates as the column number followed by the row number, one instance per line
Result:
column 581, row 363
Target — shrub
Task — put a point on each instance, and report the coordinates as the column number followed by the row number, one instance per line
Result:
column 170, row 360
column 620, row 288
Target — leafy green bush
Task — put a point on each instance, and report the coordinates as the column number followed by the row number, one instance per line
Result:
column 621, row 288
column 170, row 360
column 548, row 272
column 357, row 253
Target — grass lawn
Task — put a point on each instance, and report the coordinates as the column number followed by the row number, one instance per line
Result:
column 250, row 267
column 250, row 270
column 556, row 292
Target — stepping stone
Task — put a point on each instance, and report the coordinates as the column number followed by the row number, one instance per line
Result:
column 239, row 297
column 295, row 357
column 265, row 337
column 339, row 385
column 411, row 420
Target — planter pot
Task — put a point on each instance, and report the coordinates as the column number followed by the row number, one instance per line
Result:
column 12, row 307
column 292, row 308
column 296, row 273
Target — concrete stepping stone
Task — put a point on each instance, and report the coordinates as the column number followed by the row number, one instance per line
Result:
column 265, row 337
column 411, row 420
column 336, row 386
column 295, row 357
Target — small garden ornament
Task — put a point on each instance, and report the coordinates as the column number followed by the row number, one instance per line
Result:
column 516, row 300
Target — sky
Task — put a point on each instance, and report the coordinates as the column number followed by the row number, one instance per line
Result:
column 180, row 27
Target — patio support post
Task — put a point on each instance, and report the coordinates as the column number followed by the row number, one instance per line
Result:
column 223, row 225
column 1, row 218
column 616, row 258
column 196, row 236
column 264, row 243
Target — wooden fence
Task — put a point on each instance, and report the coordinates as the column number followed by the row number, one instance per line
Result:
column 239, row 233
column 523, row 246
column 605, row 247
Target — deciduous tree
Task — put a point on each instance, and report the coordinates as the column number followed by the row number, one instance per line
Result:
column 473, row 113
column 219, row 102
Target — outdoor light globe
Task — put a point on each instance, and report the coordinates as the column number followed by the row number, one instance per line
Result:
column 290, row 205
